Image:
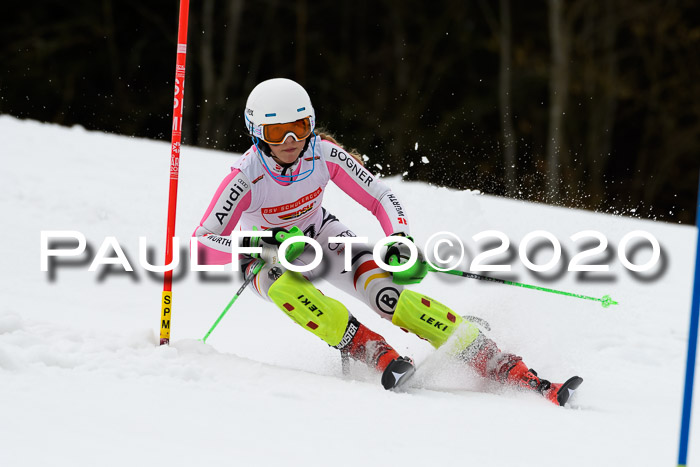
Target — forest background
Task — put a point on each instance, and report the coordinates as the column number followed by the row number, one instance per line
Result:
column 587, row 104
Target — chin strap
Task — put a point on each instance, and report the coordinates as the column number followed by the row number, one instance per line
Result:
column 289, row 178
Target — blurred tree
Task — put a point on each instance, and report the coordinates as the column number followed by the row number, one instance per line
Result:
column 504, row 90
column 501, row 30
column 217, row 72
column 597, row 39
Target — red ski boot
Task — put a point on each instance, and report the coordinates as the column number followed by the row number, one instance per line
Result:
column 486, row 358
column 362, row 344
column 557, row 393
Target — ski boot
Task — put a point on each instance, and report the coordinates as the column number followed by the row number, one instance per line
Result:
column 370, row 348
column 558, row 393
column 488, row 360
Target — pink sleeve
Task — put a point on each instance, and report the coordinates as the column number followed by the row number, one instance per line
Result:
column 359, row 183
column 231, row 199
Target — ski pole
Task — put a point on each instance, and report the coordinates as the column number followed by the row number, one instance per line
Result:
column 233, row 300
column 606, row 300
column 293, row 251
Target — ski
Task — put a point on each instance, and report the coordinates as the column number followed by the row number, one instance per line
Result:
column 566, row 389
column 398, row 372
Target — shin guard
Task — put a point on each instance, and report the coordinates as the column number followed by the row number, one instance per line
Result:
column 308, row 307
column 432, row 321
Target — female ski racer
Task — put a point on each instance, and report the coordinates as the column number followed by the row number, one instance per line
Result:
column 277, row 185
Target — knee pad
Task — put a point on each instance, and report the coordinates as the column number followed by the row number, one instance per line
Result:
column 432, row 321
column 308, row 307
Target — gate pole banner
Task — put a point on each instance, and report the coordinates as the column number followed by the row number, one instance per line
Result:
column 166, row 301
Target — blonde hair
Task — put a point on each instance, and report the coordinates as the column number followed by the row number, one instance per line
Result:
column 326, row 135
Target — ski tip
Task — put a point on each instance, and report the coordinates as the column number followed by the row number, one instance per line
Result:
column 397, row 373
column 567, row 389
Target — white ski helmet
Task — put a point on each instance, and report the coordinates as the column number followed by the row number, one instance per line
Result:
column 277, row 100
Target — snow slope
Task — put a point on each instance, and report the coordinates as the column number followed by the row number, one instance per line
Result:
column 83, row 383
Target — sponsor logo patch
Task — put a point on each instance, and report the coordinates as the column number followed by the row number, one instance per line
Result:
column 355, row 169
column 305, row 301
column 234, row 195
column 397, row 205
column 274, row 273
column 299, row 209
column 339, row 248
column 348, row 336
column 226, row 241
column 387, row 299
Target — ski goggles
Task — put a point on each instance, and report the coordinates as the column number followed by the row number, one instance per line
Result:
column 276, row 133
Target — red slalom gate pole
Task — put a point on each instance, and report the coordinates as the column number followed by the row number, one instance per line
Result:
column 167, row 300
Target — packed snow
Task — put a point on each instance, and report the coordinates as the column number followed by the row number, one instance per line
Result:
column 83, row 381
